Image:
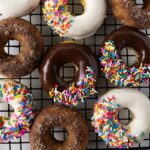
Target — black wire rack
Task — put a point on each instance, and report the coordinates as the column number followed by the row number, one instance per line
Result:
column 67, row 72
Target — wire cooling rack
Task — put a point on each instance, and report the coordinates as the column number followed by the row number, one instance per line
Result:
column 67, row 72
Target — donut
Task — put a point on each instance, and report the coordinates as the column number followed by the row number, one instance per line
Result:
column 16, row 66
column 83, row 83
column 58, row 17
column 105, row 117
column 20, row 99
column 128, row 13
column 67, row 118
column 113, row 66
column 17, row 8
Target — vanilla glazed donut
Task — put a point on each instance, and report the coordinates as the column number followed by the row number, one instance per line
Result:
column 78, row 27
column 17, row 8
column 20, row 99
column 115, row 70
column 31, row 51
column 53, row 116
column 107, row 125
column 131, row 15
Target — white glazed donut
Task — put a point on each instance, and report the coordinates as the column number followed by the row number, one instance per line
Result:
column 78, row 27
column 20, row 99
column 106, row 122
column 17, row 8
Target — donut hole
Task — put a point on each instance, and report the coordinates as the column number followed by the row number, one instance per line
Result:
column 12, row 48
column 5, row 110
column 129, row 56
column 75, row 7
column 68, row 71
column 125, row 116
column 139, row 3
column 59, row 133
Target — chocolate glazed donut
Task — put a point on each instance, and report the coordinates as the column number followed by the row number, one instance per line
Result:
column 15, row 66
column 53, row 116
column 80, row 55
column 130, row 14
column 131, row 37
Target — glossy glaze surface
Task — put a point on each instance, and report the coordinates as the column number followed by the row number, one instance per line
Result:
column 80, row 55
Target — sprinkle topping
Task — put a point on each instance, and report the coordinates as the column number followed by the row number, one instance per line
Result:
column 76, row 92
column 20, row 100
column 106, row 123
column 57, row 16
column 117, row 72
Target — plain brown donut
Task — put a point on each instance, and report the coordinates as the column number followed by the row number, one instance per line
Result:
column 58, row 55
column 32, row 45
column 70, row 119
column 129, row 14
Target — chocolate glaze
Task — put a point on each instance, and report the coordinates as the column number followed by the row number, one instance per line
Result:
column 131, row 37
column 63, row 53
column 130, row 14
column 32, row 47
column 146, row 4
column 70, row 119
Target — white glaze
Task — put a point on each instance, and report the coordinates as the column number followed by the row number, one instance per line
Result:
column 138, row 104
column 88, row 23
column 17, row 8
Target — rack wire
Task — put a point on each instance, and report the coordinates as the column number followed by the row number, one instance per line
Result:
column 67, row 72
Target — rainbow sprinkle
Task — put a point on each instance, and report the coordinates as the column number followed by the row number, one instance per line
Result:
column 56, row 15
column 117, row 72
column 76, row 92
column 20, row 100
column 106, row 123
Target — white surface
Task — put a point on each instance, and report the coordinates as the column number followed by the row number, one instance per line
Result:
column 87, row 24
column 17, row 8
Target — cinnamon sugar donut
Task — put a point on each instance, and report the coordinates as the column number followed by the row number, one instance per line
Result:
column 15, row 66
column 53, row 116
column 131, row 15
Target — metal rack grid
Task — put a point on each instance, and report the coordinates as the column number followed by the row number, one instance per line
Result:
column 41, row 98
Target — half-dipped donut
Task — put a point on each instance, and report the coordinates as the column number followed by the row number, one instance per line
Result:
column 83, row 83
column 113, row 66
column 21, row 100
column 54, row 116
column 62, row 22
column 131, row 37
column 106, row 122
column 15, row 66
